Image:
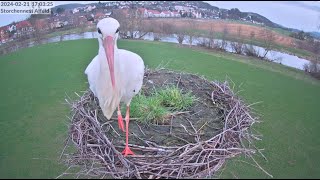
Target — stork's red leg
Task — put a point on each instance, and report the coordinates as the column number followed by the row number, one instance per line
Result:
column 127, row 150
column 120, row 120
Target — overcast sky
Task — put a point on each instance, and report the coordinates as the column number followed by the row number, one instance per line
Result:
column 8, row 18
column 303, row 15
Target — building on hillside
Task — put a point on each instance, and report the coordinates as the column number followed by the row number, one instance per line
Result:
column 4, row 34
column 75, row 10
column 153, row 13
column 175, row 14
column 24, row 28
column 165, row 14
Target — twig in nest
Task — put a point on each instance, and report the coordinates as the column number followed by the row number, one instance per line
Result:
column 97, row 156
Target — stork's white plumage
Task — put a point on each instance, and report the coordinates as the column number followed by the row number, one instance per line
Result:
column 114, row 75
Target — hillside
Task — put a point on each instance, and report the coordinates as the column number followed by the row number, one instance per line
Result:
column 69, row 6
column 205, row 8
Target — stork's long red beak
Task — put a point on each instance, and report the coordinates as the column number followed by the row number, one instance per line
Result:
column 108, row 44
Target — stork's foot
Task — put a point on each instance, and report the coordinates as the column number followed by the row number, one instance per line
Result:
column 127, row 151
column 120, row 122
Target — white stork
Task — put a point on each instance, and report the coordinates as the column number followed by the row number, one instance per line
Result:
column 115, row 75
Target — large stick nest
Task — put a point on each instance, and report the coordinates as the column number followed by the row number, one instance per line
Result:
column 193, row 144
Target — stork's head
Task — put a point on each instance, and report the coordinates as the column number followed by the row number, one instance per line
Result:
column 108, row 29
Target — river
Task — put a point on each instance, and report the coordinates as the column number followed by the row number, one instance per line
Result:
column 276, row 56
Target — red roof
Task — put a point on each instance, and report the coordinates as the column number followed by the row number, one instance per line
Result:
column 98, row 15
column 4, row 28
column 166, row 12
column 154, row 11
column 23, row 24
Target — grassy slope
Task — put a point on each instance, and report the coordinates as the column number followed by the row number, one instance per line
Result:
column 279, row 30
column 34, row 82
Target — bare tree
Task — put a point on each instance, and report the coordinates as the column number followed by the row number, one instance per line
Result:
column 211, row 36
column 120, row 15
column 157, row 29
column 313, row 67
column 238, row 46
column 131, row 21
column 167, row 28
column 137, row 20
column 83, row 26
column 190, row 30
column 306, row 67
column 143, row 29
column 75, row 21
column 252, row 35
column 180, row 34
column 249, row 49
column 36, row 29
column 268, row 39
column 222, row 45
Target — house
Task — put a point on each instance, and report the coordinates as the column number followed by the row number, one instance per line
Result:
column 75, row 10
column 57, row 22
column 89, row 8
column 108, row 14
column 196, row 15
column 165, row 14
column 24, row 28
column 4, row 34
column 175, row 14
column 153, row 13
column 12, row 27
column 183, row 8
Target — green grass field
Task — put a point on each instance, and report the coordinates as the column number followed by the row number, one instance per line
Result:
column 33, row 121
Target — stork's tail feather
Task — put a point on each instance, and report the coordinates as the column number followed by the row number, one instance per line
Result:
column 110, row 105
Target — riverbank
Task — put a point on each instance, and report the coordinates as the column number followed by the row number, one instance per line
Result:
column 279, row 57
column 282, row 41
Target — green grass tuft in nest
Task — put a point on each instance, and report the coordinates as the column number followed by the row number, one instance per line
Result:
column 148, row 108
column 158, row 107
column 174, row 98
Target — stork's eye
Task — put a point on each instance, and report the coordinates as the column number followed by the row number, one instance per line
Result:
column 117, row 30
column 99, row 31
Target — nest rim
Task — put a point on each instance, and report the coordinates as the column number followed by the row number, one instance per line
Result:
column 192, row 160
